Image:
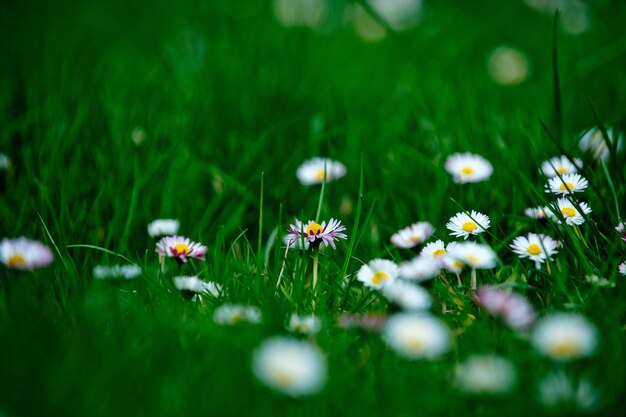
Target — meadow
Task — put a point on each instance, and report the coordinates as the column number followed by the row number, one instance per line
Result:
column 115, row 114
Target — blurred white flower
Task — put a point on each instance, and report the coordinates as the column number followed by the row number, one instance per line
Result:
column 312, row 171
column 485, row 374
column 417, row 336
column 197, row 286
column 560, row 165
column 474, row 255
column 5, row 162
column 507, row 66
column 407, row 295
column 420, row 268
column 622, row 268
column 512, row 308
column 163, row 227
column 592, row 140
column 399, row 14
column 565, row 336
column 467, row 167
column 304, row 324
column 128, row 271
column 230, row 314
column 412, row 235
column 293, row 367
column 24, row 254
column 559, row 391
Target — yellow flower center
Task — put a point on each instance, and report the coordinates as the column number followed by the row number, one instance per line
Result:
column 416, row 345
column 561, row 170
column 16, row 260
column 564, row 349
column 235, row 318
column 314, row 229
column 467, row 170
column 568, row 212
column 533, row 249
column 472, row 259
column 319, row 175
column 469, row 227
column 439, row 252
column 568, row 186
column 458, row 264
column 180, row 249
column 282, row 378
column 379, row 277
column 415, row 238
column 300, row 327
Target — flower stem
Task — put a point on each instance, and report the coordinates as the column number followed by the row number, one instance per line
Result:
column 473, row 279
column 315, row 264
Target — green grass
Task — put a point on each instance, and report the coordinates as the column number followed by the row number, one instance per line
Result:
column 231, row 104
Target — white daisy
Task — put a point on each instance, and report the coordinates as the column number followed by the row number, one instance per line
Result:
column 24, row 254
column 420, row 268
column 467, row 167
column 536, row 247
column 378, row 273
column 474, row 255
column 592, row 140
column 570, row 212
column 622, row 268
column 466, row 224
column 485, row 374
column 539, row 213
column 408, row 295
column 560, row 165
column 512, row 308
column 312, row 171
column 235, row 313
column 296, row 245
column 565, row 336
column 163, row 227
column 293, row 367
column 412, row 235
column 439, row 252
column 417, row 336
column 567, row 184
column 559, row 391
column 181, row 248
column 196, row 286
column 597, row 281
column 316, row 233
column 116, row 271
column 304, row 324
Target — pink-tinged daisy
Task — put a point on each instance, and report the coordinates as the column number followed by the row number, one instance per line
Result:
column 312, row 171
column 622, row 268
column 468, row 167
column 566, row 184
column 512, row 308
column 24, row 254
column 316, row 233
column 466, row 224
column 412, row 235
column 536, row 247
column 560, row 165
column 181, row 248
column 621, row 228
column 570, row 212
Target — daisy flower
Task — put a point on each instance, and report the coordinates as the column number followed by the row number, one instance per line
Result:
column 236, row 313
column 116, row 271
column 412, row 235
column 512, row 308
column 24, row 254
column 408, row 295
column 297, row 245
column 621, row 228
column 570, row 211
column 592, row 140
column 293, row 367
column 622, row 268
column 312, row 171
column 316, row 233
column 536, row 247
column 420, row 268
column 304, row 324
column 539, row 213
column 194, row 285
column 439, row 252
column 597, row 281
column 180, row 247
column 163, row 227
column 417, row 336
column 466, row 224
column 567, row 184
column 564, row 336
column 474, row 255
column 5, row 162
column 485, row 374
column 467, row 167
column 559, row 391
column 560, row 165
column 378, row 273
